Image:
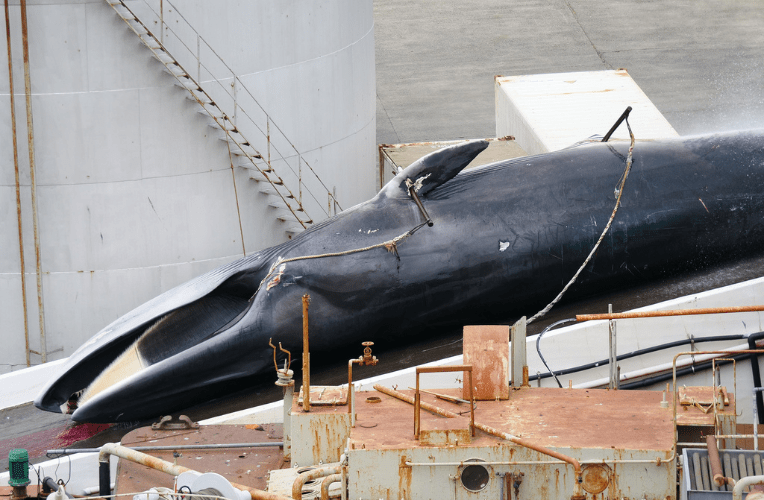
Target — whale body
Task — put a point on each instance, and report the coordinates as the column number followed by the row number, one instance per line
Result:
column 505, row 238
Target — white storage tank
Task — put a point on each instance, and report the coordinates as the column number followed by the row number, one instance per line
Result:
column 136, row 192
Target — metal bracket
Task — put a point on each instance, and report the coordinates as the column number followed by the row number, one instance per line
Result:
column 166, row 424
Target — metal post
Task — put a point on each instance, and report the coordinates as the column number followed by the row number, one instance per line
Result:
column 299, row 177
column 519, row 356
column 417, row 403
column 305, row 355
column 287, row 430
column 756, row 419
column 18, row 184
column 35, row 219
column 613, row 357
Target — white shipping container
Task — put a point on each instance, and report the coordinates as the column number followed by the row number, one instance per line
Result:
column 553, row 111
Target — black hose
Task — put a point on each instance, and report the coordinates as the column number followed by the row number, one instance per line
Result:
column 669, row 375
column 50, row 485
column 538, row 349
column 633, row 354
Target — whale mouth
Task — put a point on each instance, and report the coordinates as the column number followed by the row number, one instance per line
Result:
column 168, row 336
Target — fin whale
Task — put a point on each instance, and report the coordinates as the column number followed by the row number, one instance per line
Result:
column 505, row 238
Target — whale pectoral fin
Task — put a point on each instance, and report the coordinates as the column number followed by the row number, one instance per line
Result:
column 172, row 334
column 436, row 168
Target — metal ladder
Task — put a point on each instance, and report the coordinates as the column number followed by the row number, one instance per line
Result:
column 288, row 205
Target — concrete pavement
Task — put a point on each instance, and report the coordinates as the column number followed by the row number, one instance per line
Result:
column 701, row 62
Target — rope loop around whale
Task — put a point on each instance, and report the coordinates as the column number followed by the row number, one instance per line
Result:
column 619, row 193
column 390, row 245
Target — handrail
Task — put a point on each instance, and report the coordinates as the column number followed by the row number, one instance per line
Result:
column 674, row 312
column 418, row 398
column 243, row 87
column 696, row 353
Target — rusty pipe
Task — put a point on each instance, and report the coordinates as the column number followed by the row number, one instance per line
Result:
column 310, row 476
column 170, row 468
column 328, row 480
column 408, row 399
column 367, row 359
column 33, row 178
column 305, row 355
column 674, row 312
column 438, row 369
column 716, row 464
column 18, row 184
column 351, row 392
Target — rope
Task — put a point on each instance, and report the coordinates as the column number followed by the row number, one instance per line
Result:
column 619, row 193
column 390, row 245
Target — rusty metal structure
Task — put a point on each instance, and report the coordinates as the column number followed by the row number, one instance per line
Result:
column 535, row 443
column 468, row 442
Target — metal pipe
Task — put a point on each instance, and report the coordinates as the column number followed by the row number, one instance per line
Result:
column 310, row 476
column 716, row 463
column 620, row 119
column 502, row 482
column 408, row 399
column 73, row 451
column 351, row 388
column 657, row 461
column 344, row 493
column 328, row 480
column 756, row 390
column 169, row 468
column 695, row 353
column 30, row 137
column 18, row 184
column 305, row 355
column 441, row 369
column 737, row 491
column 418, row 202
column 613, row 356
column 755, row 372
column 674, row 312
column 104, row 479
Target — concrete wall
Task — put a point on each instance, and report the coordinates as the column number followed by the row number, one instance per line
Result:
column 135, row 189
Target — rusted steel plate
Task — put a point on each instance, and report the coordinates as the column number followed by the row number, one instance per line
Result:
column 571, row 418
column 447, row 437
column 486, row 348
column 325, row 395
column 247, row 466
column 6, row 491
column 695, row 406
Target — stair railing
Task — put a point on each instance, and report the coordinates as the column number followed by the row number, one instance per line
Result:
column 273, row 160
